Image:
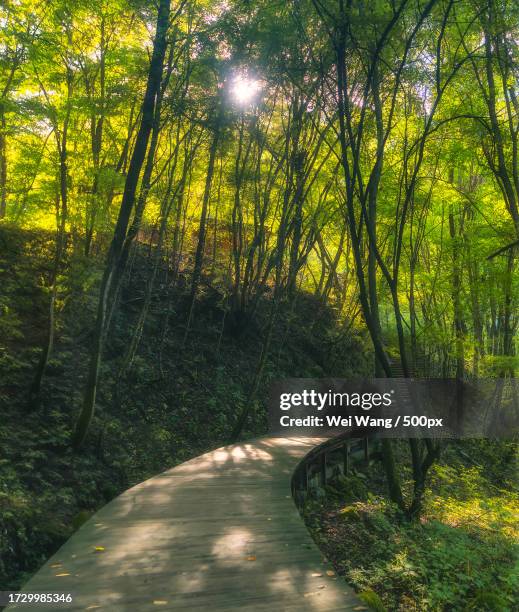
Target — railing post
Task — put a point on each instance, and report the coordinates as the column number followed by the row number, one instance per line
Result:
column 346, row 457
column 323, row 469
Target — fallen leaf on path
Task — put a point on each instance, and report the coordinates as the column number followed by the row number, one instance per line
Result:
column 251, row 558
column 330, row 573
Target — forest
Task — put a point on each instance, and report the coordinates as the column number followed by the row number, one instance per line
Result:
column 198, row 197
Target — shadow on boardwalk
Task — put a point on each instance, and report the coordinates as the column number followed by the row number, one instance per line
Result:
column 219, row 532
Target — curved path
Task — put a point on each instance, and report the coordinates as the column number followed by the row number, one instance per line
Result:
column 219, row 532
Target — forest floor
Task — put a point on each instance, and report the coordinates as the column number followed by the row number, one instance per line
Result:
column 462, row 555
column 173, row 404
column 178, row 401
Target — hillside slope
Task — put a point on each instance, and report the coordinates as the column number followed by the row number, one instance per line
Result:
column 177, row 400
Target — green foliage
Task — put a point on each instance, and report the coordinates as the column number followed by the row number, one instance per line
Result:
column 402, row 211
column 488, row 602
column 351, row 487
column 373, row 601
column 462, row 555
column 80, row 518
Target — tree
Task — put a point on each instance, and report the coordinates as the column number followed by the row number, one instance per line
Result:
column 127, row 205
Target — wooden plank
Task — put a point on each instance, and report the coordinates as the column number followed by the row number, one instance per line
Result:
column 219, row 532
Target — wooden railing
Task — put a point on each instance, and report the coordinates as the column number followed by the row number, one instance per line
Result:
column 328, row 459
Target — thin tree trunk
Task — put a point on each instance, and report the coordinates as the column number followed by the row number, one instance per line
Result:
column 3, row 163
column 61, row 137
column 96, row 137
column 202, row 228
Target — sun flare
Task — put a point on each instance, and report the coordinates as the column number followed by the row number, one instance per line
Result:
column 244, row 89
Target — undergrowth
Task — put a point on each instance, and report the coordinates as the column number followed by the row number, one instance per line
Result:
column 179, row 399
column 461, row 555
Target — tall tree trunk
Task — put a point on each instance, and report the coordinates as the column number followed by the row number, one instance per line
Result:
column 477, row 319
column 122, row 262
column 237, row 230
column 459, row 324
column 373, row 326
column 504, row 177
column 371, row 219
column 121, row 228
column 96, row 142
column 3, row 163
column 297, row 222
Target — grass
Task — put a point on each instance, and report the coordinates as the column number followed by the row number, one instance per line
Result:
column 461, row 555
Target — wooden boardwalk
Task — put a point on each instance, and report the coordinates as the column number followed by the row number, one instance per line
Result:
column 219, row 532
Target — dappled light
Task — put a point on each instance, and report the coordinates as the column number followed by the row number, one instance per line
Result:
column 207, row 203
column 232, row 545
